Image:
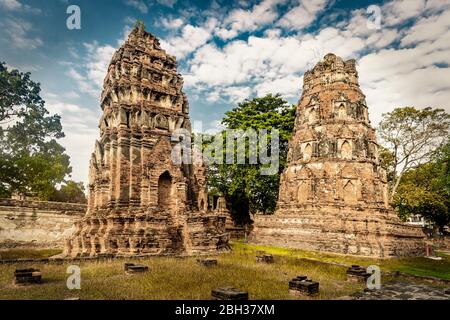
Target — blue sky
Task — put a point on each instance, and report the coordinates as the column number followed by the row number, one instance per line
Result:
column 228, row 51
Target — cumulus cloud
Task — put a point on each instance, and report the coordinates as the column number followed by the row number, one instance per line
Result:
column 303, row 14
column 191, row 38
column 80, row 127
column 15, row 5
column 395, row 61
column 137, row 4
column 242, row 20
column 17, row 32
column 10, row 4
column 90, row 74
column 172, row 23
column 261, row 61
column 399, row 11
column 167, row 3
column 427, row 28
column 288, row 86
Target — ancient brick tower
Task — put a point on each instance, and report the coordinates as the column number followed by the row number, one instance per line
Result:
column 333, row 193
column 140, row 201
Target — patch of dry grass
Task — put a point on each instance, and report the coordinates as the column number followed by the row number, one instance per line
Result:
column 173, row 278
column 416, row 265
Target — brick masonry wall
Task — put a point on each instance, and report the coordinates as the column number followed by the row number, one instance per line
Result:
column 37, row 224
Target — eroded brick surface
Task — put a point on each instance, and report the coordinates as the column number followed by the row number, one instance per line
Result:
column 333, row 192
column 140, row 201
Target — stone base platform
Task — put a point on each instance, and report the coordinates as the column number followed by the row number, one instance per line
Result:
column 156, row 233
column 370, row 232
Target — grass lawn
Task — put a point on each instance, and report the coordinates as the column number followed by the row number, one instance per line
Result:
column 28, row 253
column 174, row 278
column 417, row 266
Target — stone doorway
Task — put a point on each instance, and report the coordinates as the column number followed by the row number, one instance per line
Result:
column 165, row 190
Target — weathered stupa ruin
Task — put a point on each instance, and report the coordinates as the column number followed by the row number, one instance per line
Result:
column 333, row 192
column 140, row 201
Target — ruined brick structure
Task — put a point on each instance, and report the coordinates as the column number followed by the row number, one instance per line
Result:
column 140, row 201
column 333, row 192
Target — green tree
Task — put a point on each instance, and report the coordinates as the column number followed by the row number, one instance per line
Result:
column 425, row 190
column 412, row 135
column 71, row 191
column 32, row 162
column 246, row 190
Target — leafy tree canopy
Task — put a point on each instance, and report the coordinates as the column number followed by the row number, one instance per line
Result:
column 425, row 190
column 412, row 135
column 32, row 162
column 246, row 190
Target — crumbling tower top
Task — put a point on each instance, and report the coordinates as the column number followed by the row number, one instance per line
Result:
column 331, row 70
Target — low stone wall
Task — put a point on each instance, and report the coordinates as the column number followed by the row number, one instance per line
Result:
column 37, row 224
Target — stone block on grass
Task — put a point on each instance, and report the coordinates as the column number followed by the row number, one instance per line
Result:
column 131, row 268
column 301, row 286
column 229, row 293
column 266, row 258
column 207, row 262
column 357, row 274
column 27, row 276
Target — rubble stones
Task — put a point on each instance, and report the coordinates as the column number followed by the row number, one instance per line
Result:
column 131, row 268
column 401, row 290
column 27, row 276
column 357, row 274
column 333, row 192
column 141, row 199
column 207, row 262
column 265, row 258
column 302, row 286
column 229, row 293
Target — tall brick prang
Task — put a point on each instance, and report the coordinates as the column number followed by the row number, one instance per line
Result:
column 333, row 192
column 140, row 201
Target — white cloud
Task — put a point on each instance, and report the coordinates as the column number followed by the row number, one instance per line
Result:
column 241, row 20
column 90, row 75
column 191, row 38
column 80, row 127
column 410, row 76
column 399, row 11
column 14, row 5
column 172, row 23
column 137, row 4
column 288, row 87
column 167, row 3
column 16, row 32
column 262, row 59
column 236, row 94
column 10, row 5
column 303, row 14
column 427, row 28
